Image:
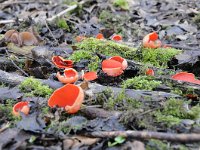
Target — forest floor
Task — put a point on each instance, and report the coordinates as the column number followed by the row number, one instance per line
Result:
column 152, row 103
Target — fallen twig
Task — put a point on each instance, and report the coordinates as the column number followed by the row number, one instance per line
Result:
column 193, row 137
column 65, row 11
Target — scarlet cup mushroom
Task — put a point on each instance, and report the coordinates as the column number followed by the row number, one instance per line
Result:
column 69, row 97
column 149, row 72
column 21, row 107
column 70, row 76
column 121, row 60
column 112, row 67
column 100, row 36
column 187, row 77
column 62, row 63
column 89, row 76
column 117, row 37
column 151, row 41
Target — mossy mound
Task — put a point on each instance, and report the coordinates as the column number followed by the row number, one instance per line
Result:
column 33, row 87
column 174, row 111
column 141, row 83
column 106, row 47
column 158, row 57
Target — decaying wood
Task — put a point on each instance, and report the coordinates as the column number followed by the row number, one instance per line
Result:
column 99, row 113
column 95, row 88
column 147, row 135
column 15, row 79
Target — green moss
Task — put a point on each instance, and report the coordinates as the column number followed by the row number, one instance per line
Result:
column 6, row 112
column 157, row 57
column 173, row 112
column 157, row 145
column 141, row 83
column 80, row 54
column 123, row 4
column 33, row 87
column 118, row 102
column 83, row 54
column 61, row 23
column 106, row 47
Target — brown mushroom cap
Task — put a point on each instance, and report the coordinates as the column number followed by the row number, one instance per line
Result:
column 8, row 34
column 28, row 38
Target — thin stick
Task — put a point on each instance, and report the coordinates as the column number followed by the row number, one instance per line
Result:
column 17, row 66
column 9, row 21
column 6, row 126
column 51, row 32
column 193, row 137
column 64, row 11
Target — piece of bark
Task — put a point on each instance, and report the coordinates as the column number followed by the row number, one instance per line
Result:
column 95, row 88
column 15, row 79
column 147, row 135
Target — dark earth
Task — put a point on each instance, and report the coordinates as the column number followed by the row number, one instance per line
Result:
column 131, row 111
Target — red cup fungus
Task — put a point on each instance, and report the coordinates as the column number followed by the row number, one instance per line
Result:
column 89, row 76
column 112, row 67
column 116, row 37
column 69, row 96
column 187, row 77
column 100, row 36
column 149, row 72
column 121, row 60
column 61, row 62
column 70, row 76
column 151, row 41
column 21, row 107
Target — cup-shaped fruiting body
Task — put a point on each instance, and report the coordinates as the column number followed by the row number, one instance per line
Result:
column 61, row 62
column 149, row 72
column 100, row 36
column 187, row 77
column 70, row 76
column 121, row 60
column 27, row 38
column 69, row 97
column 112, row 67
column 21, row 107
column 151, row 41
column 116, row 37
column 89, row 76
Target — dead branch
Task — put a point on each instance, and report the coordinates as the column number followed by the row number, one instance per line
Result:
column 64, row 11
column 15, row 79
column 193, row 137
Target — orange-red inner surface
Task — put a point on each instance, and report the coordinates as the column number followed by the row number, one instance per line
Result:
column 70, row 73
column 111, row 64
column 20, row 105
column 90, row 76
column 65, row 96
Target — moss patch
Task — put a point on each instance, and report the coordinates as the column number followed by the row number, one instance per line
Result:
column 118, row 102
column 141, row 83
column 33, row 87
column 6, row 112
column 173, row 112
column 157, row 57
column 123, row 4
column 196, row 20
column 106, row 47
column 83, row 54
